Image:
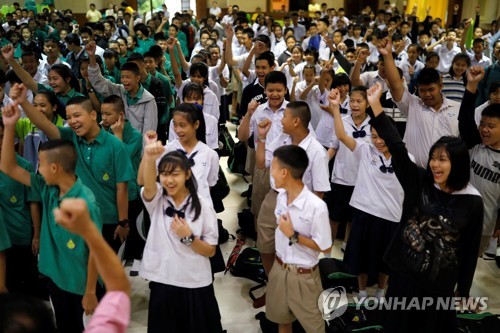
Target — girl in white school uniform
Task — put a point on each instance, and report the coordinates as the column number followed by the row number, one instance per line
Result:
column 288, row 67
column 373, row 224
column 345, row 169
column 182, row 237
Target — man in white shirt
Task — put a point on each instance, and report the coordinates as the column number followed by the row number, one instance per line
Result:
column 430, row 116
column 215, row 10
column 299, row 29
column 302, row 232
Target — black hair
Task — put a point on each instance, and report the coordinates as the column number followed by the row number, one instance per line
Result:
column 494, row 86
column 341, row 79
column 132, row 67
column 325, row 21
column 428, row 76
column 287, row 30
column 478, row 41
column 275, row 77
column 301, row 110
column 249, row 32
column 491, row 111
column 264, row 39
column 142, row 28
column 202, row 69
column 168, row 164
column 87, row 30
column 61, row 152
column 331, row 72
column 431, row 55
column 424, row 32
column 72, row 39
column 117, row 101
column 458, row 154
column 268, row 56
column 193, row 114
column 192, row 88
column 135, row 57
column 83, row 101
column 292, row 158
column 21, row 313
column 64, row 71
column 314, row 53
column 52, row 98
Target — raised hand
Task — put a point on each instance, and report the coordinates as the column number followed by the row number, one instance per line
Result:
column 362, row 55
column 8, row 52
column 91, row 48
column 10, row 115
column 467, row 24
column 150, row 137
column 154, row 151
column 263, row 128
column 229, row 31
column 334, row 97
column 456, row 8
column 252, row 106
column 384, row 47
column 475, row 74
column 73, row 215
column 171, row 44
column 374, row 94
column 18, row 92
column 117, row 127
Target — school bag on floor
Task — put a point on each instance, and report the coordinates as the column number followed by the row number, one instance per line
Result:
column 485, row 322
column 249, row 265
column 333, row 274
column 356, row 320
column 236, row 162
column 226, row 142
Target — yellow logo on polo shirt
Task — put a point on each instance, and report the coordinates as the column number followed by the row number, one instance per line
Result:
column 13, row 199
column 105, row 177
column 70, row 244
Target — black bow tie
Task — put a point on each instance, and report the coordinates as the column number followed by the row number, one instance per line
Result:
column 190, row 158
column 358, row 134
column 170, row 211
column 343, row 111
column 385, row 169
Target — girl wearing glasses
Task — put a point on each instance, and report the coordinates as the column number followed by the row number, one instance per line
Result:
column 345, row 168
column 182, row 237
column 373, row 225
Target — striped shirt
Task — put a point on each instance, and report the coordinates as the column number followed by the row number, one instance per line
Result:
column 452, row 88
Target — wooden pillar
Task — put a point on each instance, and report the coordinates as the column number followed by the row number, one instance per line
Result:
column 201, row 8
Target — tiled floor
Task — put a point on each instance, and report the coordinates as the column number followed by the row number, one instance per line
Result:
column 232, row 292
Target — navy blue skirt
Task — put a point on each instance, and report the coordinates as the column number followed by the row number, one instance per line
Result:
column 369, row 238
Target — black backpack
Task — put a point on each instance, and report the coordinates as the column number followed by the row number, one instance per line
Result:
column 227, row 141
column 236, row 162
column 249, row 265
column 246, row 224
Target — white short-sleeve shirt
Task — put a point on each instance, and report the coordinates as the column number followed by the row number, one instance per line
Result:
column 345, row 168
column 166, row 260
column 309, row 216
column 384, row 189
column 316, row 176
column 425, row 125
column 371, row 78
column 210, row 101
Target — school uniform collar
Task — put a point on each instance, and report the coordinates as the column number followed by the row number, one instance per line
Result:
column 171, row 200
column 301, row 199
column 137, row 97
column 256, row 82
column 281, row 108
column 147, row 82
column 363, row 124
column 74, row 191
column 72, row 93
column 100, row 138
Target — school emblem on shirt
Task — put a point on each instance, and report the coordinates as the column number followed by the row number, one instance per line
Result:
column 13, row 199
column 70, row 244
column 105, row 177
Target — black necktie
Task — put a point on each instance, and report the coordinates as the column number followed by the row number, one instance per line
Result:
column 385, row 169
column 170, row 211
column 190, row 158
column 358, row 134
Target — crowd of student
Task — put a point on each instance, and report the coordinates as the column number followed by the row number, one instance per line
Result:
column 382, row 121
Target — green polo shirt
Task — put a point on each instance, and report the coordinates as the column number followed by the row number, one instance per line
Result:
column 14, row 206
column 4, row 235
column 115, row 74
column 63, row 255
column 102, row 164
column 62, row 98
column 168, row 67
column 137, row 98
column 167, row 92
column 145, row 44
column 132, row 139
column 123, row 60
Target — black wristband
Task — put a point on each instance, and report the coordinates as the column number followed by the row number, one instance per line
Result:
column 123, row 223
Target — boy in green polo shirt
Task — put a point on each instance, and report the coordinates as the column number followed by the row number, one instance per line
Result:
column 113, row 120
column 103, row 162
column 17, row 211
column 64, row 257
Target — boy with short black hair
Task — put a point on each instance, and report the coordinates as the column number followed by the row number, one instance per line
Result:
column 64, row 257
column 103, row 162
column 303, row 232
column 140, row 106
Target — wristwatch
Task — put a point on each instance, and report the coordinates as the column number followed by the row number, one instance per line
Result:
column 262, row 140
column 90, row 90
column 123, row 223
column 187, row 240
column 294, row 239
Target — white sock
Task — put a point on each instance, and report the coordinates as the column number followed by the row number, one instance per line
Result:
column 344, row 244
column 380, row 293
column 363, row 294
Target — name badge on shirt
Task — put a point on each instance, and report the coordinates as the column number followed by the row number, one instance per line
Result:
column 304, row 220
